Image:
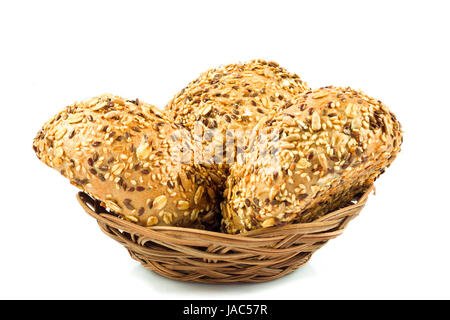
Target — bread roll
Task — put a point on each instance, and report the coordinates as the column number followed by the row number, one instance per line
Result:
column 330, row 145
column 222, row 103
column 127, row 155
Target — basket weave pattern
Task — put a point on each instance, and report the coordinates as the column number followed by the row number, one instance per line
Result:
column 212, row 257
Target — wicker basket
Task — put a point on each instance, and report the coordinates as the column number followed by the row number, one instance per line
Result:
column 212, row 257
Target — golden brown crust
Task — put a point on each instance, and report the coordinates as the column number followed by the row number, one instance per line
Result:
column 222, row 102
column 329, row 145
column 126, row 154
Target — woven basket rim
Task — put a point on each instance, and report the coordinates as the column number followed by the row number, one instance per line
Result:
column 120, row 223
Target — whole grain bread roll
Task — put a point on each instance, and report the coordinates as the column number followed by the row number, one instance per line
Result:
column 309, row 159
column 127, row 155
column 223, row 103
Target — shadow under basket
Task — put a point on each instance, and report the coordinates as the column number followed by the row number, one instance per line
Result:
column 204, row 256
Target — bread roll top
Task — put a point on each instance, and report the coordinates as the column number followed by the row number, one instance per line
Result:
column 222, row 103
column 128, row 155
column 312, row 157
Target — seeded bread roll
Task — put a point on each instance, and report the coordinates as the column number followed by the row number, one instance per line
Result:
column 316, row 155
column 127, row 155
column 223, row 102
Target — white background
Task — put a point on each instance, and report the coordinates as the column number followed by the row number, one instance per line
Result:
column 55, row 52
